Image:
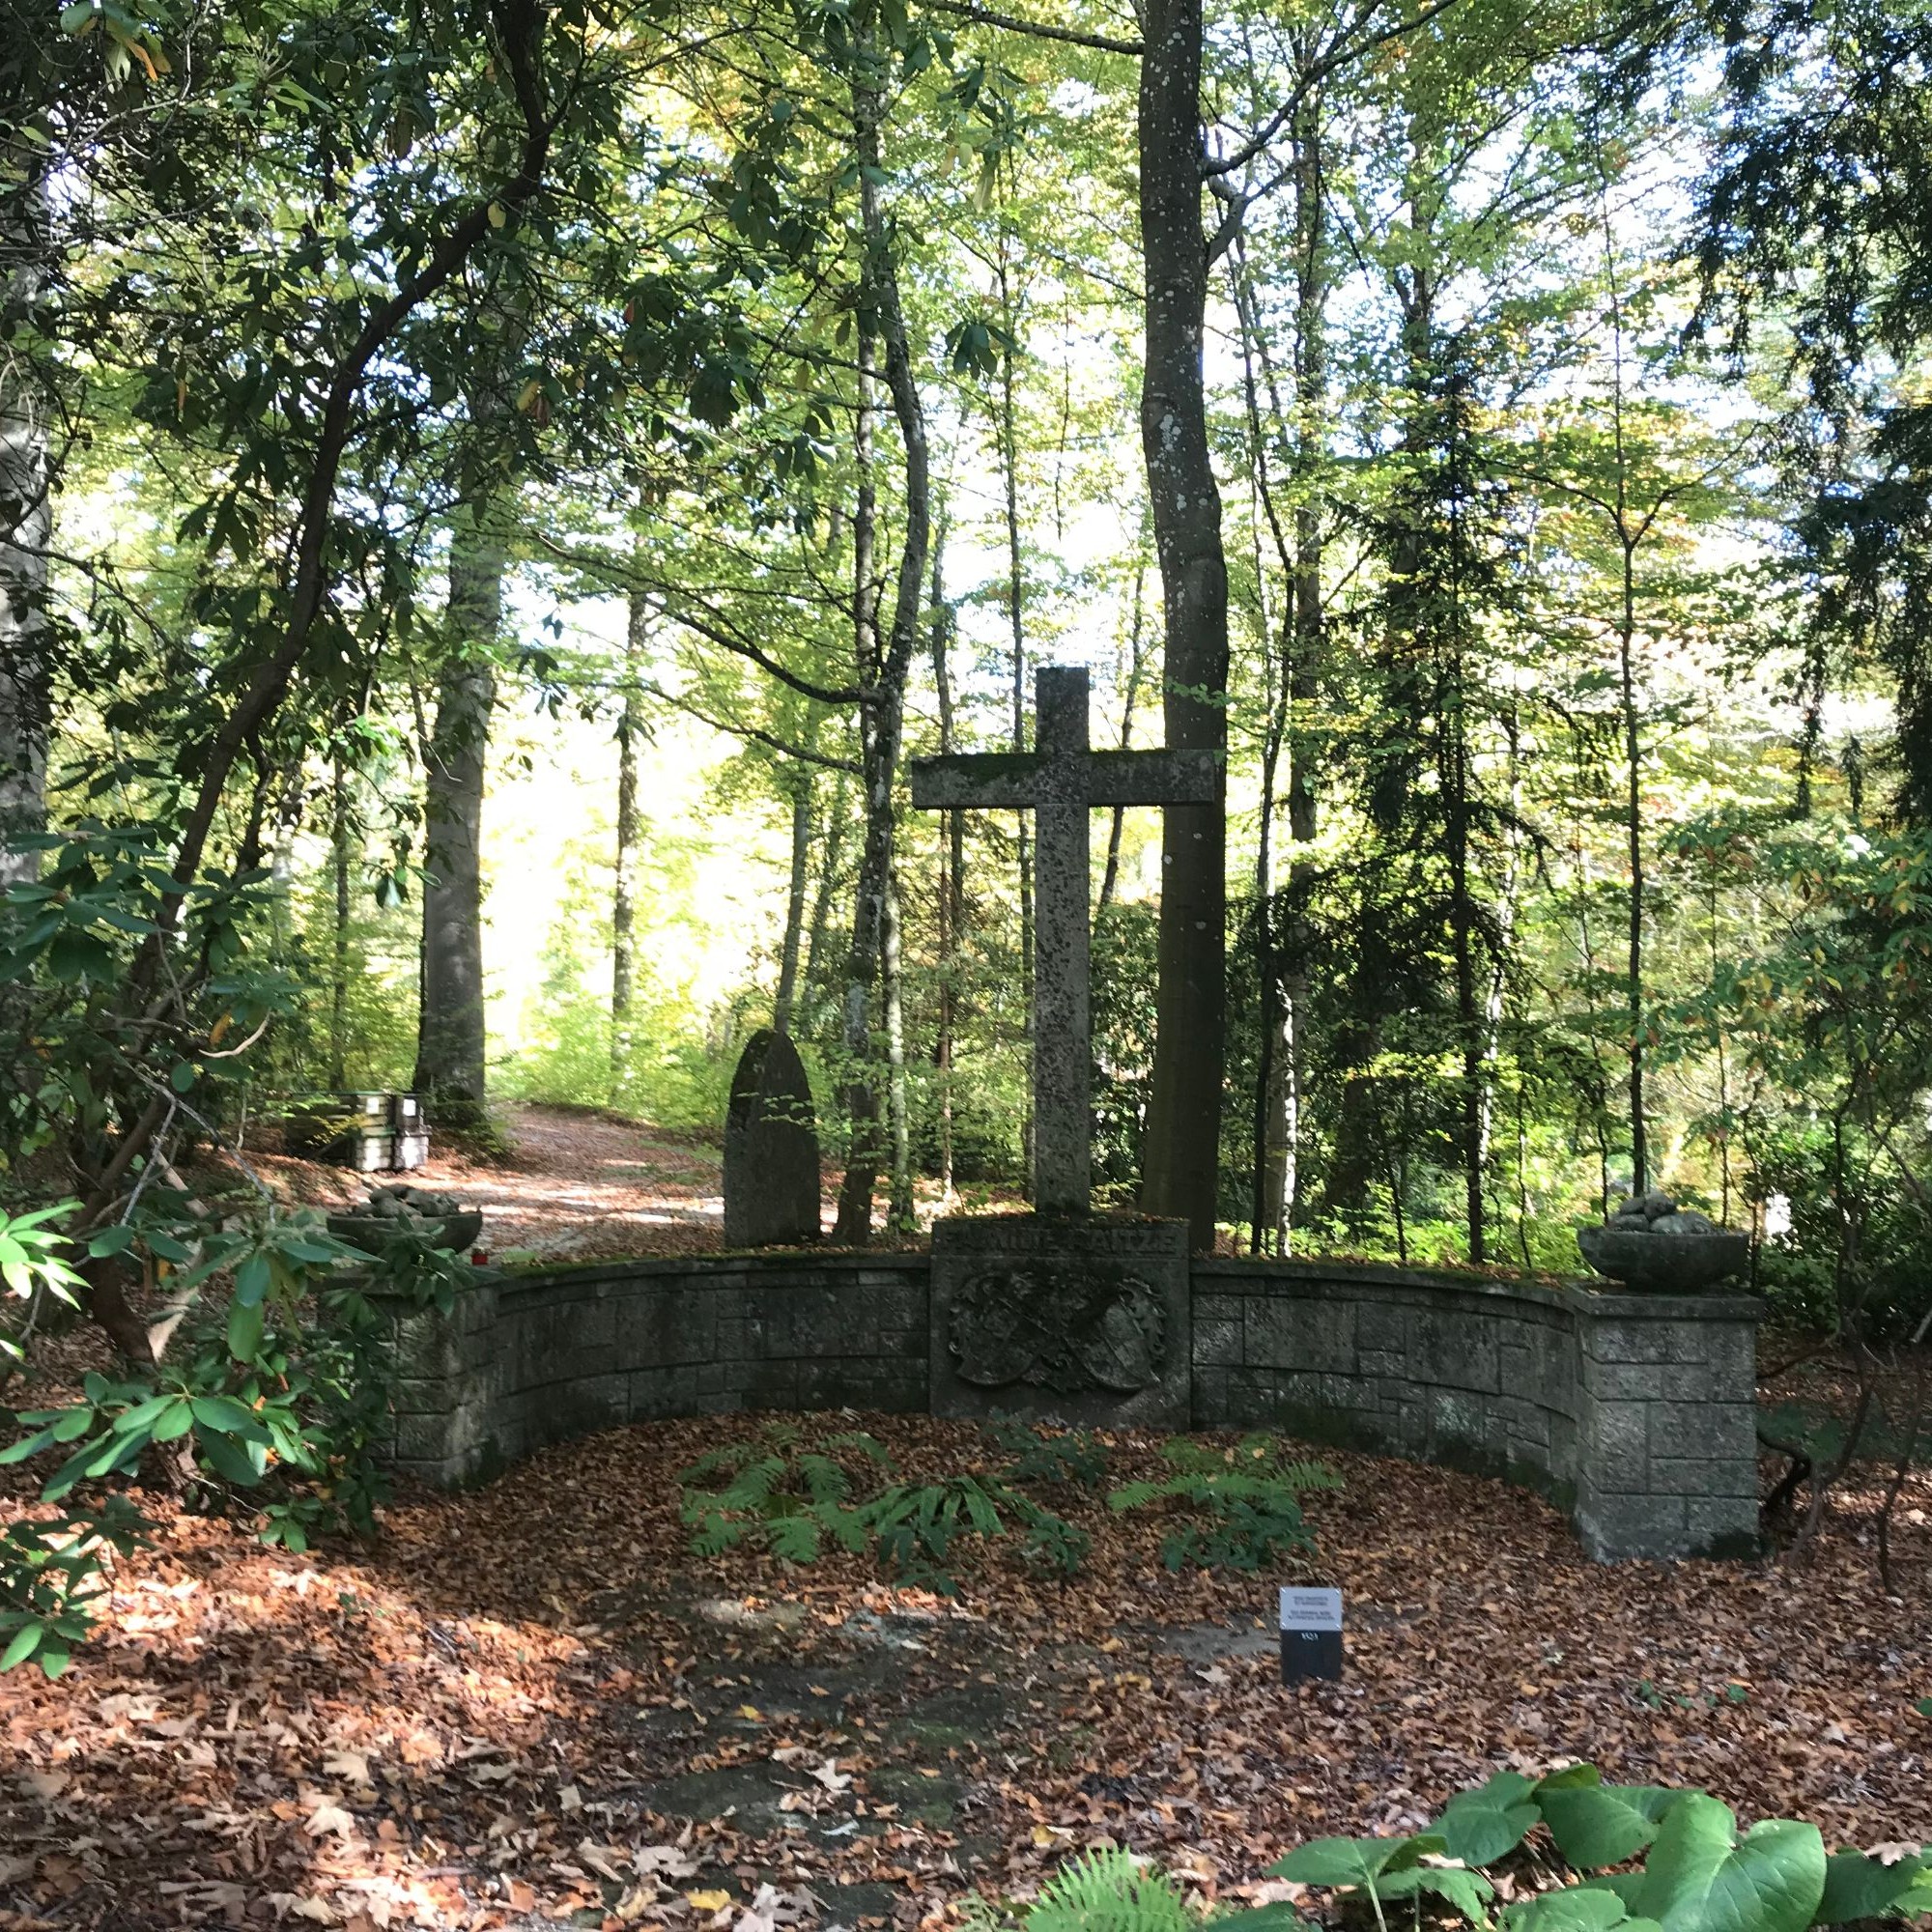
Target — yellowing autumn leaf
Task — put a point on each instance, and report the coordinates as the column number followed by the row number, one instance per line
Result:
column 751, row 1713
column 708, row 1902
column 326, row 1818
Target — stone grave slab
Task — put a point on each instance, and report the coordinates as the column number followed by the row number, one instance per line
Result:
column 771, row 1147
column 1071, row 1318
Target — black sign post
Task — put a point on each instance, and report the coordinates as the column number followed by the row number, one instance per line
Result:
column 1311, row 1634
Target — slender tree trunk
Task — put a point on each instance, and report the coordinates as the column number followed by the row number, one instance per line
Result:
column 1632, row 748
column 1180, row 1170
column 338, row 989
column 882, row 714
column 1015, row 587
column 1130, row 703
column 1267, row 1154
column 26, row 531
column 900, row 1217
column 1458, row 802
column 801, row 874
column 952, row 869
column 833, row 844
column 624, row 883
column 451, row 1056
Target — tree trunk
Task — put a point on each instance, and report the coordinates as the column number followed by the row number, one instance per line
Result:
column 801, row 874
column 1130, row 700
column 901, row 1218
column 451, row 1048
column 338, row 991
column 882, row 714
column 624, row 883
column 26, row 530
column 1181, row 1168
column 1008, row 439
column 952, row 869
column 810, row 1005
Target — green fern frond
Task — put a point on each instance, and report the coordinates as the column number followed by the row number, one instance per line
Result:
column 753, row 1485
column 825, row 1482
column 1108, row 1891
column 795, row 1538
column 859, row 1444
column 715, row 1535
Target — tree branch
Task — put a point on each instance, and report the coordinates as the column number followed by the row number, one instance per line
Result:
column 1039, row 30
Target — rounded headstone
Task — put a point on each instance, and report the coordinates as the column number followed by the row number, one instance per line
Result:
column 771, row 1147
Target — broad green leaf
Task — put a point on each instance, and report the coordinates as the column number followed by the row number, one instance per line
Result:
column 27, row 1445
column 1575, row 1908
column 251, row 1281
column 173, row 1422
column 231, row 1417
column 1332, row 1861
column 1703, row 1877
column 26, row 1641
column 234, row 1460
column 1480, row 1825
column 1858, row 1886
column 112, row 1241
column 143, row 1414
column 1468, row 1892
column 1597, row 1825
column 244, row 1331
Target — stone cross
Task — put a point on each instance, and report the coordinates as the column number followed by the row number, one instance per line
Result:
column 1061, row 782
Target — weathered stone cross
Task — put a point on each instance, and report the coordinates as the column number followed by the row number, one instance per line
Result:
column 1061, row 782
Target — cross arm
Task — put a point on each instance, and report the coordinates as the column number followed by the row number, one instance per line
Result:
column 1023, row 780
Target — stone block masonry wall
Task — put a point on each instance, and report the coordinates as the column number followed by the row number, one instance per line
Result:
column 1635, row 1413
column 531, row 1359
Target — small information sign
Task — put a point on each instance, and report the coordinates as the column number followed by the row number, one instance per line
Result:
column 1311, row 1634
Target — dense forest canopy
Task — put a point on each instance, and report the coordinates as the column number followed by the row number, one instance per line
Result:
column 492, row 497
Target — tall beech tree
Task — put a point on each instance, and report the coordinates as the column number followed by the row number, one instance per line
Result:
column 1181, row 1158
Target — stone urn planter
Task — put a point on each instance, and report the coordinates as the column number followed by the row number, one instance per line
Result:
column 1654, row 1246
column 436, row 1220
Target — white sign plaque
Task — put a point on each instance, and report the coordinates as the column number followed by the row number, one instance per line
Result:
column 1311, row 1609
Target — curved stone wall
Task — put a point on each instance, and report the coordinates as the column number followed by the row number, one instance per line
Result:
column 1636, row 1414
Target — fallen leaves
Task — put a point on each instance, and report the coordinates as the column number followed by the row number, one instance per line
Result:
column 528, row 1705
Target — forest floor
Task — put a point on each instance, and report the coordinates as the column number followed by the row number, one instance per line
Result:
column 530, row 1705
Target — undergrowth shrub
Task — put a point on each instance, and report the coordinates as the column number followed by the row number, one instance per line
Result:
column 1698, row 1872
column 790, row 1494
column 1233, row 1509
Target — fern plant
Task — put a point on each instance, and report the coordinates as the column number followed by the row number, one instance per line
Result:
column 784, row 1489
column 1109, row 1892
column 1235, row 1509
column 917, row 1524
column 1049, row 1458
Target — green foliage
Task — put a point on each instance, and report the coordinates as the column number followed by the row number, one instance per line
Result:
column 1109, row 1891
column 1701, row 1873
column 786, row 1491
column 1237, row 1508
column 1044, row 1458
column 791, row 1493
column 52, row 1570
column 917, row 1524
column 1596, row 1824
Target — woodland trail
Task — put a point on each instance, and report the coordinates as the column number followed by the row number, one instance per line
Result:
column 575, row 1185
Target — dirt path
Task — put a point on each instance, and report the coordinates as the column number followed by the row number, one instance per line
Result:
column 575, row 1185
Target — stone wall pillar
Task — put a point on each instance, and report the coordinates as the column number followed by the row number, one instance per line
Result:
column 1666, row 1461
column 445, row 1387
